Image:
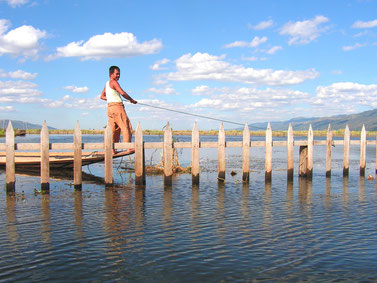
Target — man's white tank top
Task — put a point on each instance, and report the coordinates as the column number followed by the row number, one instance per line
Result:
column 111, row 94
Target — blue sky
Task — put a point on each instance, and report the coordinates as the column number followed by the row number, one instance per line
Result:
column 244, row 61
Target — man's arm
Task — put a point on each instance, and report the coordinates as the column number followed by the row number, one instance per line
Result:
column 115, row 85
column 103, row 94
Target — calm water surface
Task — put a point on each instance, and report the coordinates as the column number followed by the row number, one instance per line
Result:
column 323, row 230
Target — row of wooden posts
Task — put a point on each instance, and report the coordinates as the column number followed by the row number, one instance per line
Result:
column 305, row 150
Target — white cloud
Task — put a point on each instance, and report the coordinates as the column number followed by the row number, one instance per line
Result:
column 353, row 47
column 157, row 66
column 7, row 108
column 17, row 75
column 274, row 49
column 15, row 3
column 78, row 103
column 108, row 45
column 22, row 41
column 361, row 24
column 263, row 25
column 200, row 90
column 304, row 32
column 168, row 90
column 203, row 66
column 254, row 43
column 20, row 91
column 77, row 89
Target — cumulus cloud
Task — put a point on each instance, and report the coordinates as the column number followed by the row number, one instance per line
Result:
column 168, row 90
column 68, row 101
column 77, row 89
column 15, row 3
column 274, row 49
column 108, row 45
column 361, row 24
column 203, row 66
column 19, row 74
column 7, row 108
column 263, row 25
column 304, row 32
column 19, row 92
column 157, row 66
column 353, row 47
column 22, row 41
column 254, row 43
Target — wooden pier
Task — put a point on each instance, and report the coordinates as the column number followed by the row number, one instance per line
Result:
column 305, row 166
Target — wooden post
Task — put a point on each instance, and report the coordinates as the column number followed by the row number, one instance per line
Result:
column 328, row 151
column 363, row 148
column 290, row 159
column 45, row 161
column 195, row 166
column 168, row 156
column 346, row 154
column 246, row 154
column 108, row 151
column 310, row 153
column 10, row 165
column 221, row 154
column 77, row 155
column 303, row 161
column 268, row 153
column 139, row 157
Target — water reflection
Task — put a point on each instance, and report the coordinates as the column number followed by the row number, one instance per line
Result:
column 13, row 236
column 78, row 215
column 46, row 218
column 345, row 191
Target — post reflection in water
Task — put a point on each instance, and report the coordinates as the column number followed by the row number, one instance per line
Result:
column 78, row 216
column 140, row 208
column 305, row 190
column 345, row 191
column 13, row 235
column 362, row 188
column 46, row 218
column 328, row 192
column 167, row 222
column 220, row 216
column 267, row 213
column 245, row 200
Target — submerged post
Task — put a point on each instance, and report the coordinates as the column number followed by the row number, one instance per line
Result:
column 363, row 148
column 290, row 159
column 246, row 154
column 346, row 154
column 268, row 153
column 221, row 154
column 303, row 161
column 195, row 166
column 328, row 151
column 77, row 158
column 310, row 153
column 10, row 165
column 168, row 156
column 108, row 151
column 139, row 157
column 45, row 160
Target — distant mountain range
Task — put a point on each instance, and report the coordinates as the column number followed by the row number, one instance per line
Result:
column 354, row 122
column 22, row 125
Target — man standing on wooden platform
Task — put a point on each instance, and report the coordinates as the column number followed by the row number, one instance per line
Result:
column 118, row 119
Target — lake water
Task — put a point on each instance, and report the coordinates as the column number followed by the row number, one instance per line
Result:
column 319, row 230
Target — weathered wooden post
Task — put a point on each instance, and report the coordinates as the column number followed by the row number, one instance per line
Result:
column 221, row 154
column 10, row 165
column 328, row 151
column 310, row 153
column 195, row 166
column 346, row 153
column 168, row 156
column 268, row 153
column 77, row 158
column 139, row 157
column 303, row 161
column 108, row 151
column 246, row 154
column 290, row 143
column 363, row 148
column 45, row 160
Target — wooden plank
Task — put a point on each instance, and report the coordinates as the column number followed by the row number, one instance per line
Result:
column 93, row 146
column 290, row 159
column 328, row 151
column 182, row 145
column 363, row 148
column 246, row 154
column 45, row 161
column 28, row 146
column 168, row 156
column 303, row 161
column 221, row 154
column 139, row 157
column 124, row 145
column 10, row 168
column 108, row 138
column 195, row 166
column 310, row 153
column 268, row 154
column 77, row 161
column 346, row 152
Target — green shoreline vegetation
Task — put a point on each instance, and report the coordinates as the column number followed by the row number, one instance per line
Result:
column 336, row 133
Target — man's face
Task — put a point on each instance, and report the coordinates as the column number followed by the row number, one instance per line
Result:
column 115, row 75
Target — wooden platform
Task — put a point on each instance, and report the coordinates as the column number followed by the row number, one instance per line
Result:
column 58, row 160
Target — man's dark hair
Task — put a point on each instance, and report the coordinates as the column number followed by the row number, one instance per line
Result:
column 112, row 69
